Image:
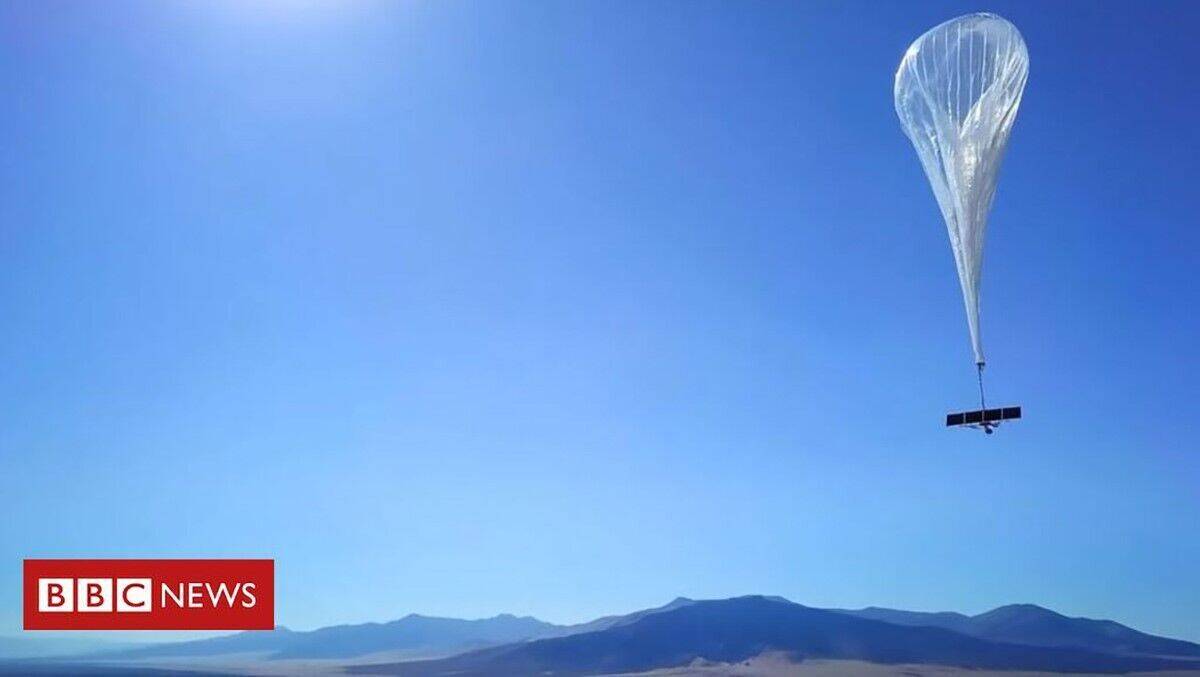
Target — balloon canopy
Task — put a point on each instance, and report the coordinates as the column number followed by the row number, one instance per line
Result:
column 957, row 92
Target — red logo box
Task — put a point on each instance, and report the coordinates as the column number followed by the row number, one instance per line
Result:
column 149, row 594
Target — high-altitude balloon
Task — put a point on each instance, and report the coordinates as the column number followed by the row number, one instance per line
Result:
column 957, row 93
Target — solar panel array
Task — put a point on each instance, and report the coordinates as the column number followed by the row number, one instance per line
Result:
column 983, row 416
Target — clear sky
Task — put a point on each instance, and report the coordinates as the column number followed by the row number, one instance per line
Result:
column 566, row 309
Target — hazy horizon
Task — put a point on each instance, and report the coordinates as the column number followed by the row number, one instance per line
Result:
column 161, row 637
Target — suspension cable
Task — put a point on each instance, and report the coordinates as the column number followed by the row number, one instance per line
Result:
column 982, row 402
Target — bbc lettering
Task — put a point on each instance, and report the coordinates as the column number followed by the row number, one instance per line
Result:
column 127, row 595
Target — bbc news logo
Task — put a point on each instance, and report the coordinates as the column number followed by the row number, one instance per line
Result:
column 150, row 594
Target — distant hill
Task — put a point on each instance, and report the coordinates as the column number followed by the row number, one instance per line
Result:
column 605, row 622
column 250, row 642
column 737, row 629
column 1033, row 625
column 412, row 636
column 17, row 668
column 32, row 646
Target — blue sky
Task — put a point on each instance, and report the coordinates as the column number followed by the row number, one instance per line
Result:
column 566, row 309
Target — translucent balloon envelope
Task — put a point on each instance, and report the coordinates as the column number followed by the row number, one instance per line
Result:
column 957, row 93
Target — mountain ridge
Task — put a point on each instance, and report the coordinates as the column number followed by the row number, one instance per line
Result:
column 413, row 635
column 419, row 637
column 737, row 629
column 1037, row 626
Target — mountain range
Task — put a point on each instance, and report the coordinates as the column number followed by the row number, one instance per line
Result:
column 411, row 636
column 1015, row 637
column 45, row 647
column 1033, row 625
column 734, row 630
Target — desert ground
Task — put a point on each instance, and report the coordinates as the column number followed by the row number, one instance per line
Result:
column 775, row 665
column 767, row 665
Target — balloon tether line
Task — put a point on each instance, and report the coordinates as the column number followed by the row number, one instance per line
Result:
column 982, row 403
